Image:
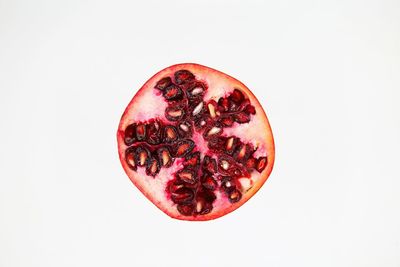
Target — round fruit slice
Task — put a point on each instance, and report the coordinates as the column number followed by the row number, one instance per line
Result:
column 196, row 142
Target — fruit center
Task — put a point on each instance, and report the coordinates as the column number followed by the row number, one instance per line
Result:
column 190, row 123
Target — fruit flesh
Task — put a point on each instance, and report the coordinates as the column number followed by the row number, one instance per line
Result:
column 152, row 105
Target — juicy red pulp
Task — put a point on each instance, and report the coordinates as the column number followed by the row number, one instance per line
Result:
column 155, row 144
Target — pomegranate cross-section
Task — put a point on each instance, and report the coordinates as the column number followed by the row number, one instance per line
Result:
column 196, row 142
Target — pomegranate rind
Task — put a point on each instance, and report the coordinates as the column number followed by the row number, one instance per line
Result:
column 155, row 190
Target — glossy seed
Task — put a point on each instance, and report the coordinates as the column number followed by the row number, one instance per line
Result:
column 141, row 132
column 261, row 164
column 163, row 83
column 235, row 196
column 182, row 195
column 197, row 91
column 182, row 76
column 197, row 109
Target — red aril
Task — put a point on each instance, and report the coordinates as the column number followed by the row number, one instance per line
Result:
column 196, row 142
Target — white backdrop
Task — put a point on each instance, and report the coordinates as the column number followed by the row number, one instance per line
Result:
column 327, row 74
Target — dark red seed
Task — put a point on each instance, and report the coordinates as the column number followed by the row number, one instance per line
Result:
column 164, row 157
column 196, row 108
column 231, row 144
column 153, row 130
column 174, row 185
column 233, row 106
column 202, row 122
column 234, row 196
column 223, row 104
column 241, row 117
column 185, row 129
column 130, row 158
column 173, row 92
column 209, row 164
column 243, row 152
column 217, row 143
column 251, row 163
column 207, row 195
column 183, row 147
column 130, row 134
column 153, row 167
column 187, row 176
column 141, row 132
column 163, row 83
column 185, row 209
column 213, row 131
column 237, row 96
column 182, row 195
column 142, row 155
column 204, row 201
column 196, row 90
column 170, row 134
column 182, row 76
column 226, row 121
column 203, row 207
column 209, row 182
column 262, row 162
column 174, row 113
column 227, row 183
column 250, row 109
column 192, row 160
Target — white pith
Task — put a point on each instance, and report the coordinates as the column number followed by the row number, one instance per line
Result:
column 152, row 105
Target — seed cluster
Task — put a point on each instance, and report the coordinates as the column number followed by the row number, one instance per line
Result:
column 155, row 144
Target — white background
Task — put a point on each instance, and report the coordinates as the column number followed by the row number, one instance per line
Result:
column 326, row 72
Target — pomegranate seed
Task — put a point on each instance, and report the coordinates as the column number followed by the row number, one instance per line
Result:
column 211, row 109
column 187, row 176
column 182, row 195
column 209, row 164
column 174, row 113
column 196, row 91
column 185, row 209
column 224, row 164
column 153, row 167
column 213, row 131
column 235, row 196
column 130, row 158
column 184, row 147
column 142, row 156
column 261, row 164
column 223, row 104
column 243, row 152
column 197, row 109
column 231, row 145
column 170, row 134
column 153, row 133
column 251, row 163
column 165, row 157
column 173, row 92
column 192, row 160
column 241, row 117
column 217, row 143
column 237, row 96
column 226, row 183
column 250, row 109
column 209, row 183
column 227, row 121
column 173, row 186
column 233, row 106
column 130, row 134
column 182, row 76
column 141, row 132
column 163, row 83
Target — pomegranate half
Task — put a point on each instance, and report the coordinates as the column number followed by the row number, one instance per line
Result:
column 196, row 142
